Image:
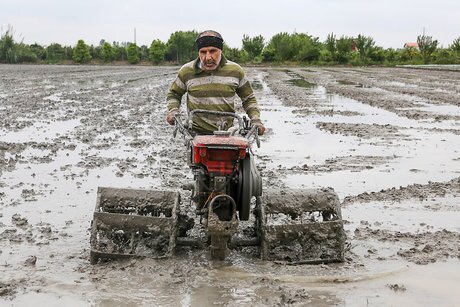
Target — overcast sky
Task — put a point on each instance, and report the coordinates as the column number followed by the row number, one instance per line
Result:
column 390, row 22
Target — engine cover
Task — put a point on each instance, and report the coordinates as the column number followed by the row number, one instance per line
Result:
column 219, row 152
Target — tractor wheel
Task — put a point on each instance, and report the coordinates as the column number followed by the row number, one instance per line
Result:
column 244, row 207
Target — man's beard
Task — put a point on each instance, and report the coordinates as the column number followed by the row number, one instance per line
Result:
column 211, row 64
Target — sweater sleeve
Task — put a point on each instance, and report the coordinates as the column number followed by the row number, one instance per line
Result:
column 176, row 91
column 249, row 101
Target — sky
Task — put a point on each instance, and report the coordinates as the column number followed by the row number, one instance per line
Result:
column 391, row 22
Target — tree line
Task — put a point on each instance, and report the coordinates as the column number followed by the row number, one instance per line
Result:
column 295, row 48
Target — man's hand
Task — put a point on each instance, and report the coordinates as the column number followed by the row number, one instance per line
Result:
column 260, row 126
column 170, row 117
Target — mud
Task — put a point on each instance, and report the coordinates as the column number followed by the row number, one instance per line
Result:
column 423, row 248
column 301, row 226
column 413, row 191
column 383, row 138
column 134, row 222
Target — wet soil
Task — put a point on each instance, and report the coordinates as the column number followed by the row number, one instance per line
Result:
column 384, row 138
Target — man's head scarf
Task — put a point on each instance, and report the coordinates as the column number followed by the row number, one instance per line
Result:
column 209, row 38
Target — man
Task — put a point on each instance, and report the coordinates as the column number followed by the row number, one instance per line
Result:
column 211, row 82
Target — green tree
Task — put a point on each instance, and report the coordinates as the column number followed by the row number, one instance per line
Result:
column 106, row 53
column 344, row 46
column 133, row 54
column 292, row 47
column 331, row 46
column 330, row 43
column 455, row 46
column 39, row 51
column 268, row 54
column 81, row 52
column 119, row 51
column 391, row 56
column 94, row 51
column 444, row 56
column 25, row 54
column 181, row 46
column 144, row 53
column 309, row 47
column 325, row 56
column 235, row 54
column 409, row 55
column 157, row 51
column 427, row 46
column 54, row 53
column 253, row 46
column 280, row 45
column 365, row 46
column 68, row 52
column 378, row 55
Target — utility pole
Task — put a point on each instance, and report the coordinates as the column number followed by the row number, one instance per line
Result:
column 134, row 36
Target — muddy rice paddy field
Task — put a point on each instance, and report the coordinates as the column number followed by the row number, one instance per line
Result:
column 386, row 139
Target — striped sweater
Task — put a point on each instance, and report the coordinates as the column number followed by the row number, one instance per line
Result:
column 212, row 91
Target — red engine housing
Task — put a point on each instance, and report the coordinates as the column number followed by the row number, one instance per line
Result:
column 218, row 153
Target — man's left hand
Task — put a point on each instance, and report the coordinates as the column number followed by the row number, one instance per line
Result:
column 260, row 126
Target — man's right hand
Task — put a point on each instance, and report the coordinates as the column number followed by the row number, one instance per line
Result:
column 170, row 117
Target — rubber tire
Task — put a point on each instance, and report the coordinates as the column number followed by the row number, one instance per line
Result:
column 244, row 209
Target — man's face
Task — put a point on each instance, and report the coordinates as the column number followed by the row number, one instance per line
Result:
column 210, row 58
